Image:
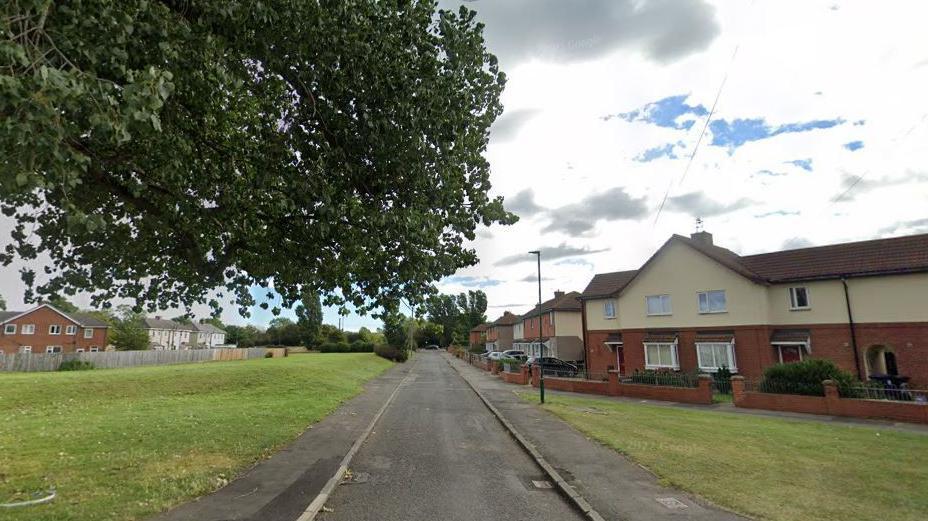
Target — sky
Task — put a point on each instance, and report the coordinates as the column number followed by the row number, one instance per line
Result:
column 780, row 124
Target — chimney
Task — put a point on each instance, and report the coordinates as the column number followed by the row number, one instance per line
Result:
column 558, row 294
column 702, row 238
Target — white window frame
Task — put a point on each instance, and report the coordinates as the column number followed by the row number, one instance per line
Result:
column 9, row 329
column 79, row 350
column 88, row 332
column 94, row 349
column 54, row 329
column 729, row 346
column 25, row 349
column 609, row 309
column 791, row 291
column 662, row 299
column 675, row 359
column 51, row 349
column 708, row 309
column 70, row 330
column 27, row 329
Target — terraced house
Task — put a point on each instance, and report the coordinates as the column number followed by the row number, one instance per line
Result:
column 46, row 329
column 168, row 335
column 557, row 324
column 694, row 306
column 500, row 334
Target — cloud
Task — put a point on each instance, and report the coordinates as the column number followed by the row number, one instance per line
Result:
column 698, row 204
column 576, row 262
column 853, row 146
column 776, row 213
column 770, row 173
column 547, row 254
column 795, row 243
column 732, row 134
column 669, row 112
column 471, row 282
column 554, row 30
column 533, row 278
column 909, row 227
column 580, row 218
column 854, row 185
column 523, row 203
column 507, row 126
column 657, row 152
column 805, row 164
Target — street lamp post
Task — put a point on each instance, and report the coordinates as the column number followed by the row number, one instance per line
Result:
column 541, row 345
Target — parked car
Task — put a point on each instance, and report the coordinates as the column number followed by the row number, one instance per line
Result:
column 554, row 366
column 515, row 353
column 431, row 347
column 495, row 355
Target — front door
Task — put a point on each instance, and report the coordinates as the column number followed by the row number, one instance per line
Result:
column 790, row 354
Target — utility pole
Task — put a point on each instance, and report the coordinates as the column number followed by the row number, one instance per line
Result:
column 541, row 345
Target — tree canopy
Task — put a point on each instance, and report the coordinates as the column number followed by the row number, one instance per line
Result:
column 177, row 152
column 456, row 314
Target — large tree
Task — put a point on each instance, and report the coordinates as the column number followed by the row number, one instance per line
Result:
column 159, row 150
column 127, row 332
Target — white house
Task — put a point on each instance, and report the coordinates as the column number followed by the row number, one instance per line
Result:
column 207, row 336
column 168, row 334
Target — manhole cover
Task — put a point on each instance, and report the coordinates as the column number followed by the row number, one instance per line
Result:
column 671, row 503
column 542, row 484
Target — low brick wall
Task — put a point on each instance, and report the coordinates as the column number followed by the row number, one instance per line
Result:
column 830, row 404
column 576, row 385
column 520, row 378
column 698, row 395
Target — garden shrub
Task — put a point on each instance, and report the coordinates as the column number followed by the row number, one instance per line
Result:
column 75, row 365
column 391, row 353
column 722, row 379
column 804, row 377
column 361, row 346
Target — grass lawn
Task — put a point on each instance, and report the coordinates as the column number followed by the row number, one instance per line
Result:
column 767, row 468
column 127, row 443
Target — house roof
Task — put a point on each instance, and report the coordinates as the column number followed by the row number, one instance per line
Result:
column 159, row 323
column 507, row 319
column 81, row 319
column 565, row 302
column 206, row 327
column 480, row 328
column 606, row 284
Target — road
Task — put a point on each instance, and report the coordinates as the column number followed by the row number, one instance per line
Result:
column 438, row 453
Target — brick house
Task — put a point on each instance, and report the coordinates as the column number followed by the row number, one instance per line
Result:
column 499, row 332
column 46, row 329
column 478, row 335
column 168, row 335
column 558, row 324
column 694, row 306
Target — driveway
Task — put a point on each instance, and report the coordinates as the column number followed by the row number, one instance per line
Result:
column 438, row 453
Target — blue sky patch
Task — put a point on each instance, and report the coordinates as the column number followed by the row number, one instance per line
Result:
column 666, row 112
column 471, row 282
column 732, row 134
column 655, row 153
column 805, row 164
column 854, row 145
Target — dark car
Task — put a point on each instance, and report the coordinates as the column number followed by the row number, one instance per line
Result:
column 554, row 366
column 431, row 347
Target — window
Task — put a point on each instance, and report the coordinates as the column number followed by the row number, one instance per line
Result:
column 27, row 329
column 712, row 301
column 659, row 305
column 88, row 332
column 25, row 349
column 79, row 350
column 609, row 309
column 70, row 330
column 94, row 349
column 662, row 355
column 715, row 355
column 53, row 349
column 54, row 330
column 9, row 329
column 799, row 298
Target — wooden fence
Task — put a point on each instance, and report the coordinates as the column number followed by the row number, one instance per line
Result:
column 30, row 362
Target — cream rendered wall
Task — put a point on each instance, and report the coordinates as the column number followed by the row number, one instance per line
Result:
column 896, row 298
column 682, row 272
column 594, row 315
column 517, row 331
column 568, row 323
column 826, row 299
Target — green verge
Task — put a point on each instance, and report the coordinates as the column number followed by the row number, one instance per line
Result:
column 768, row 468
column 127, row 443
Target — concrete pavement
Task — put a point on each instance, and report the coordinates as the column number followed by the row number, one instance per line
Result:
column 438, row 453
column 613, row 485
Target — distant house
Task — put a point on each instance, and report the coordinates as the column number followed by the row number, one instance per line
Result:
column 499, row 333
column 478, row 335
column 556, row 325
column 207, row 336
column 46, row 329
column 168, row 335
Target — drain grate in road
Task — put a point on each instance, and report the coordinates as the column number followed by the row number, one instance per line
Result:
column 542, row 484
column 671, row 503
column 352, row 478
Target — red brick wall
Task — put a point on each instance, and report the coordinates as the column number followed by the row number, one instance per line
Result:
column 476, row 337
column 520, row 378
column 530, row 327
column 754, row 353
column 575, row 385
column 492, row 334
column 702, row 394
column 43, row 318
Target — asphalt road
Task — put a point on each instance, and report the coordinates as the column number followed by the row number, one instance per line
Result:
column 438, row 453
